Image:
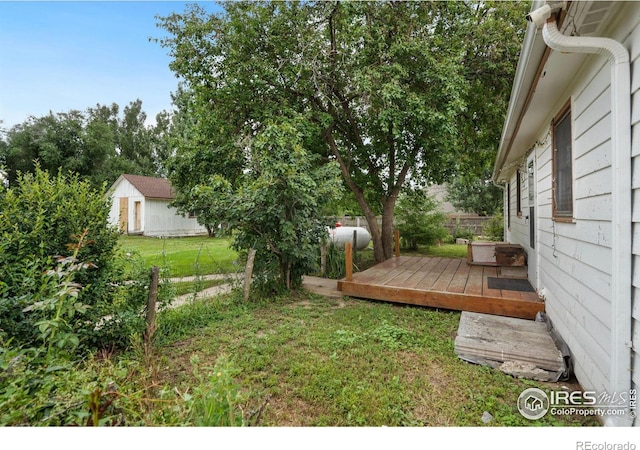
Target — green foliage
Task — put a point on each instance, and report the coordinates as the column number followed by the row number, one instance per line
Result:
column 475, row 194
column 39, row 390
column 276, row 207
column 57, row 310
column 98, row 144
column 51, row 286
column 463, row 233
column 419, row 220
column 335, row 262
column 413, row 90
column 494, row 228
column 216, row 399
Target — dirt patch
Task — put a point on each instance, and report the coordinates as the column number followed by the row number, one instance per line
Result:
column 433, row 388
column 291, row 411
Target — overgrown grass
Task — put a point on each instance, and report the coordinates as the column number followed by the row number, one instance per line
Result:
column 329, row 362
column 299, row 360
column 181, row 257
column 443, row 251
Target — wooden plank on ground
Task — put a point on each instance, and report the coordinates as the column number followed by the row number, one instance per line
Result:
column 503, row 339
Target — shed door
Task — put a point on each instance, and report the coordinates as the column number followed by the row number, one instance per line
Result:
column 137, row 211
column 124, row 214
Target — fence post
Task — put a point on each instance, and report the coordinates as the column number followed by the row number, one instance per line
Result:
column 151, row 304
column 323, row 260
column 348, row 266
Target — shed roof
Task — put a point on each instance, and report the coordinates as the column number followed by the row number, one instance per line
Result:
column 151, row 187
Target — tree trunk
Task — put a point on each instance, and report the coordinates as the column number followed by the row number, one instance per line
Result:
column 388, row 206
column 374, row 229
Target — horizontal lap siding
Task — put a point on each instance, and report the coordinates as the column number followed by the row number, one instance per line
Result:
column 633, row 43
column 160, row 220
column 575, row 258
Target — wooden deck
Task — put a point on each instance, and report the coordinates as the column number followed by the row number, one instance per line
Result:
column 445, row 283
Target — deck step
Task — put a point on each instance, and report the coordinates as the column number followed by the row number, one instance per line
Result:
column 522, row 348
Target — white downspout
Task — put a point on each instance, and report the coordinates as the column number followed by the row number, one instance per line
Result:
column 621, row 276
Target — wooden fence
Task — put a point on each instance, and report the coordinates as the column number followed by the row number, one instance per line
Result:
column 461, row 221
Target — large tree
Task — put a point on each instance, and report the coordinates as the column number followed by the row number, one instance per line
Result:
column 384, row 86
column 98, row 144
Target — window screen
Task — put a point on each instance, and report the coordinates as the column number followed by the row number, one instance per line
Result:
column 562, row 167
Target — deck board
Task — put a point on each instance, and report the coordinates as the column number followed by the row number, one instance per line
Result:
column 448, row 283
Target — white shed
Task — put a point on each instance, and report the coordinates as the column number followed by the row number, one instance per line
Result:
column 571, row 173
column 140, row 205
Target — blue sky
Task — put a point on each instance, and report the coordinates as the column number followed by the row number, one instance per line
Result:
column 57, row 56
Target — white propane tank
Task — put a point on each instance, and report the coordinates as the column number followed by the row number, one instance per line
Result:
column 340, row 235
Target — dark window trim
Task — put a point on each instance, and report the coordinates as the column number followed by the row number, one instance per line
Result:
column 565, row 216
column 509, row 206
column 518, row 193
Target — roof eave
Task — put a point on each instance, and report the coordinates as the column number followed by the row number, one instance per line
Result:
column 532, row 53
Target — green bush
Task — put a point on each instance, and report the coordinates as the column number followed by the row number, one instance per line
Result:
column 494, row 228
column 419, row 221
column 463, row 233
column 48, row 279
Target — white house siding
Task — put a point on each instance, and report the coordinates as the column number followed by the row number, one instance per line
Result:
column 574, row 259
column 633, row 44
column 160, row 220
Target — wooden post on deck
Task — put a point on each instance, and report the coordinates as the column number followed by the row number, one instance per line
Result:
column 348, row 261
column 397, row 242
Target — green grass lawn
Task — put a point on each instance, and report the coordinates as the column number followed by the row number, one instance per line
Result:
column 184, row 256
column 339, row 362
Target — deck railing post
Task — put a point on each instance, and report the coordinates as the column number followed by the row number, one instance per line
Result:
column 348, row 257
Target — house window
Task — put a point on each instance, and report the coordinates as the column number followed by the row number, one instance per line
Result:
column 192, row 215
column 508, row 205
column 562, row 167
column 518, row 193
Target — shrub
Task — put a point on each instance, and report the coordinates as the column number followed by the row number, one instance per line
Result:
column 494, row 228
column 41, row 220
column 277, row 208
column 419, row 221
column 463, row 233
